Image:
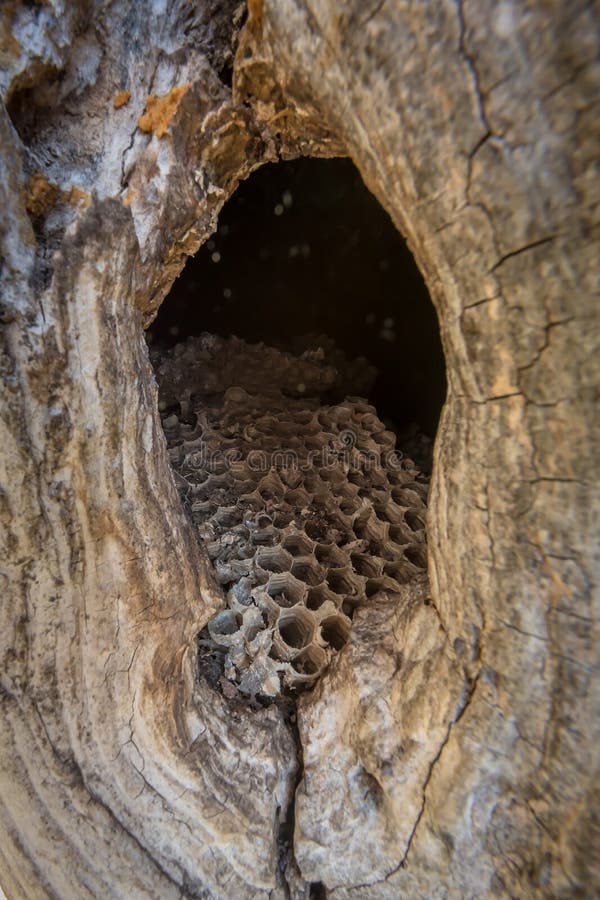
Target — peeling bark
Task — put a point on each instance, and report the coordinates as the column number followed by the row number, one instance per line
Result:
column 475, row 125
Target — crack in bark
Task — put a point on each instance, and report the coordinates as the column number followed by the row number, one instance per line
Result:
column 470, row 61
column 530, row 246
column 542, row 349
column 285, row 833
column 122, row 827
column 469, row 696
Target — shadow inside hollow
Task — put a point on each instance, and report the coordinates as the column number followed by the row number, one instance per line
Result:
column 304, row 248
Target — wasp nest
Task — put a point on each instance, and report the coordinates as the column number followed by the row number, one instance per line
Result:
column 305, row 509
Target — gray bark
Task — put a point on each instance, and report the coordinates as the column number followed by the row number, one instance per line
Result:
column 476, row 126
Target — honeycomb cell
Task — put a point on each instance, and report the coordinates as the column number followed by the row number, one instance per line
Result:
column 330, row 555
column 400, row 534
column 400, row 570
column 228, row 516
column 379, row 584
column 308, row 570
column 309, row 663
column 297, row 498
column 385, row 439
column 390, row 512
column 344, row 581
column 305, row 417
column 286, row 590
column 416, row 555
column 298, row 544
column 336, row 631
column 321, row 595
column 265, row 537
column 349, row 606
column 274, row 559
column 348, row 507
column 366, row 564
column 316, row 528
column 282, row 518
column 271, row 489
column 370, row 422
column 295, row 630
column 371, row 529
column 415, row 519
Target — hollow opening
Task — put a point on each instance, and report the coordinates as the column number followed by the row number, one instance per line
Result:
column 297, row 349
column 305, row 256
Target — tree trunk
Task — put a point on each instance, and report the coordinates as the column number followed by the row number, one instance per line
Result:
column 123, row 773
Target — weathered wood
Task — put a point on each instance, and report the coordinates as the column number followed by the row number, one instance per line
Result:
column 476, row 127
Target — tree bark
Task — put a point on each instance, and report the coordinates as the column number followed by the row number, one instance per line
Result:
column 123, row 774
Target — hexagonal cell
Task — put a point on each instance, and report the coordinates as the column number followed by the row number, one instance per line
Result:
column 370, row 422
column 273, row 559
column 399, row 534
column 286, row 590
column 307, row 569
column 323, row 503
column 335, row 631
column 316, row 528
column 263, row 520
column 356, row 477
column 361, row 407
column 330, row 555
column 350, row 605
column 295, row 630
column 371, row 529
column 348, row 506
column 317, row 442
column 241, row 471
column 319, row 595
column 312, row 482
column 390, row 512
column 203, row 507
column 235, row 394
column 282, row 518
column 400, row 571
column 310, row 662
column 270, row 488
column 384, row 439
column 210, row 487
column 228, row 516
column 252, row 501
column 406, row 496
column 298, row 544
column 343, row 581
column 298, row 498
column 377, row 477
column 415, row 519
column 417, row 556
column 231, row 570
column 366, row 564
column 383, row 583
column 332, row 475
column 265, row 537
